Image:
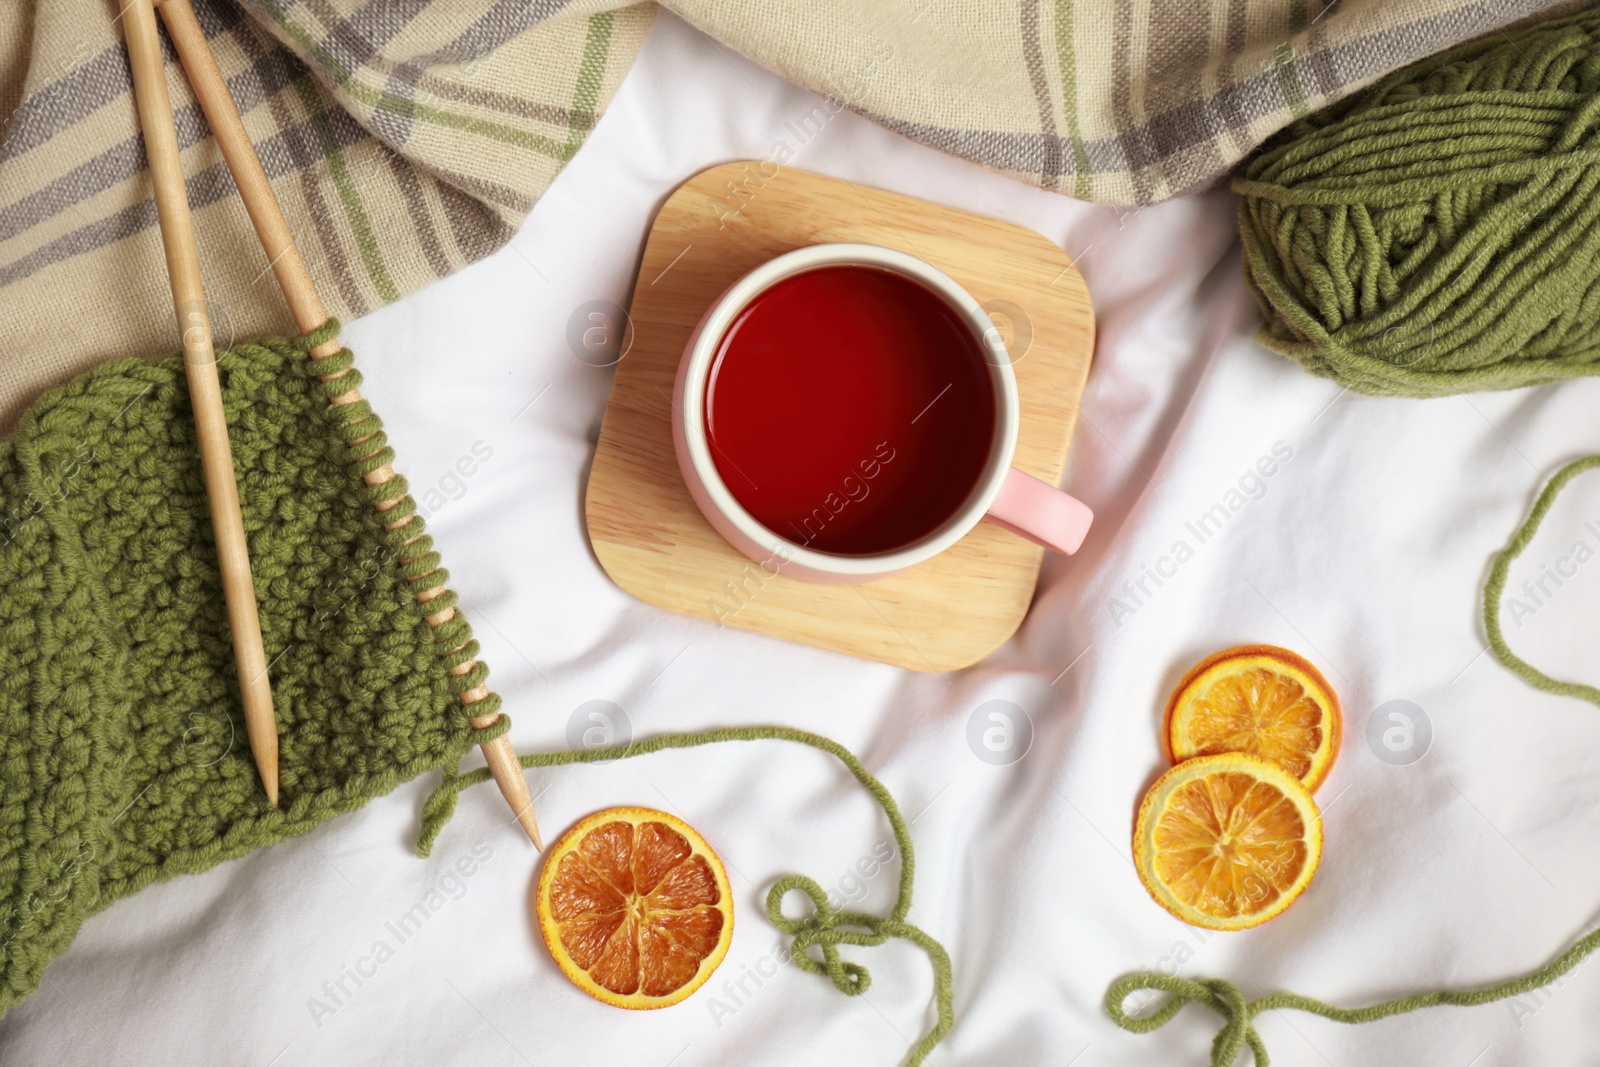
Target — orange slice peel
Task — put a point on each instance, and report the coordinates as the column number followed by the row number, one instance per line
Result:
column 1260, row 700
column 635, row 907
column 1227, row 841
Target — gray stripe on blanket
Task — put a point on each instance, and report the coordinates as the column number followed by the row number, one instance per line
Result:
column 59, row 105
column 1185, row 134
column 207, row 187
column 271, row 74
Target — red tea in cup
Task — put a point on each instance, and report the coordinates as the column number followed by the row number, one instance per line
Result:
column 850, row 410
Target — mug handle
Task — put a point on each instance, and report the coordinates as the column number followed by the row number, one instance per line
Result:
column 1040, row 512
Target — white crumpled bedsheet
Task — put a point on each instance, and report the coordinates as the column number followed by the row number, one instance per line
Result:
column 1355, row 530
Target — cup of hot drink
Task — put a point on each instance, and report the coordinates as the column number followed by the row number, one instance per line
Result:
column 847, row 411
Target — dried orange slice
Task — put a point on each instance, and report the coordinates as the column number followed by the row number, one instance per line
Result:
column 1227, row 841
column 635, row 907
column 1257, row 699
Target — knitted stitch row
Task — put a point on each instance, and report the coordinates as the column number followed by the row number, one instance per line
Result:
column 123, row 757
column 121, row 740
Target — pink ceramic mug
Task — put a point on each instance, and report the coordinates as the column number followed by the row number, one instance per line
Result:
column 1004, row 495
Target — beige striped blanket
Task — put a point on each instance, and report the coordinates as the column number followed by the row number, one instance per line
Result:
column 407, row 138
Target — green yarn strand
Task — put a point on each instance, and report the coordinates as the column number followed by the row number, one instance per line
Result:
column 1439, row 232
column 1494, row 589
column 1224, row 999
column 1238, row 1014
column 823, row 928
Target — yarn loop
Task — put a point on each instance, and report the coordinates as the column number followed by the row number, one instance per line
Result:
column 1220, row 996
column 828, row 929
column 1439, row 232
column 1237, row 1013
column 825, row 928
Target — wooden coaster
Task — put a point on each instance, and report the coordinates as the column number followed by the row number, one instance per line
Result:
column 942, row 615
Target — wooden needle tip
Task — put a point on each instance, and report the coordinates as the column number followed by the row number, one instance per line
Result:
column 508, row 775
column 531, row 826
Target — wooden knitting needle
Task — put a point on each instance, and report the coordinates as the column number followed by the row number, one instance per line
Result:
column 205, row 78
column 205, row 389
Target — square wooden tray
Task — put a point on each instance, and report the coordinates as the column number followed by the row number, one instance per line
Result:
column 942, row 615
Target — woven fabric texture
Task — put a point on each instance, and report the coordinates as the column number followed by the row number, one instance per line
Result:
column 403, row 140
column 123, row 757
column 407, row 140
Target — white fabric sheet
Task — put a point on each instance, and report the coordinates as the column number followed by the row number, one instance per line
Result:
column 1365, row 550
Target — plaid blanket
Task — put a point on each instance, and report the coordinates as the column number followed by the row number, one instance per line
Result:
column 407, row 138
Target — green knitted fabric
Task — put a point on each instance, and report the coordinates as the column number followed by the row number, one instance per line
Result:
column 1440, row 232
column 123, row 757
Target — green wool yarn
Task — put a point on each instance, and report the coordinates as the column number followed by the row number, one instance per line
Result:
column 1238, row 1014
column 824, row 928
column 1439, row 232
column 123, row 757
column 1225, row 999
column 1496, row 585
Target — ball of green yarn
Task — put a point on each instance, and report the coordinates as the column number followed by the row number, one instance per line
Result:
column 1440, row 232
